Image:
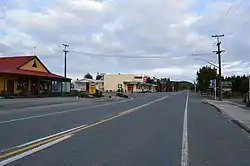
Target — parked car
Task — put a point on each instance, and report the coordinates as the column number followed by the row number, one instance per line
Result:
column 121, row 95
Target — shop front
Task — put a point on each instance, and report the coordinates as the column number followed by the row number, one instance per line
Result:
column 133, row 86
column 27, row 76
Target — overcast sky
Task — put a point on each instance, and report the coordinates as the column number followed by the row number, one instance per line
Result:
column 173, row 29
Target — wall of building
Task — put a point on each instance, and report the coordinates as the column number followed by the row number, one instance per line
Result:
column 2, row 79
column 15, row 87
column 81, row 86
column 111, row 81
column 29, row 66
column 100, row 86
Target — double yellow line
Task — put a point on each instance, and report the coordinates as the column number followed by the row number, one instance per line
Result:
column 26, row 148
column 42, row 142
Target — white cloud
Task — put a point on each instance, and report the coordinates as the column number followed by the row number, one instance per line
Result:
column 121, row 27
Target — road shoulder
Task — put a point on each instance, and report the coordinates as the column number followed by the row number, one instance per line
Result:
column 235, row 113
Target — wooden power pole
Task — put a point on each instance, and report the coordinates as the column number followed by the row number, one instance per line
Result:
column 218, row 52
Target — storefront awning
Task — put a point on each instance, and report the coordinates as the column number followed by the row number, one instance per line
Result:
column 138, row 83
column 148, row 84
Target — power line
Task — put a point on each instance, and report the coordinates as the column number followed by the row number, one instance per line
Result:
column 120, row 56
column 227, row 12
column 239, row 4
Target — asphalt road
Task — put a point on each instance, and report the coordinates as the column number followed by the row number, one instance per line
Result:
column 156, row 129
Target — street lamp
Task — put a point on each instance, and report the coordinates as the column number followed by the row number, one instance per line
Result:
column 197, row 58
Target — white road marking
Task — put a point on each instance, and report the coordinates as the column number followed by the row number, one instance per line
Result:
column 60, row 133
column 184, row 149
column 43, row 138
column 142, row 106
column 60, row 112
column 29, row 152
column 39, row 148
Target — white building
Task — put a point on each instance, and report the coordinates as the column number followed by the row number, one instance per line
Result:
column 83, row 84
column 127, row 83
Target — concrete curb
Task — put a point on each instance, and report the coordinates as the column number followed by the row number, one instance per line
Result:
column 239, row 105
column 239, row 123
column 119, row 99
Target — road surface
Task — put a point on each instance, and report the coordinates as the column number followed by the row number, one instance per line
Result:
column 155, row 129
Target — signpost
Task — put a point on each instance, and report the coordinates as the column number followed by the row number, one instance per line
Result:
column 92, row 88
column 119, row 86
column 213, row 85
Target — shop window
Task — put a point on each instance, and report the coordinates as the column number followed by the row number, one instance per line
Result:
column 44, row 86
column 138, row 86
column 56, row 86
column 19, row 84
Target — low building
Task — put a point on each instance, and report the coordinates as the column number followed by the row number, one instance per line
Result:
column 83, row 84
column 27, row 75
column 127, row 83
column 227, row 86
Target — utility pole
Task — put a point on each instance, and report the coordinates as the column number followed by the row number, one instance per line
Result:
column 65, row 58
column 34, row 50
column 248, row 93
column 218, row 52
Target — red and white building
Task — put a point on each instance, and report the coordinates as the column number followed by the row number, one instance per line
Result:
column 127, row 83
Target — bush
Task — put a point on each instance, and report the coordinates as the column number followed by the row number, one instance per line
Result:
column 98, row 94
column 84, row 94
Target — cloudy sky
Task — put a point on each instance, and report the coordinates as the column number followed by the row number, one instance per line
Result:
column 169, row 30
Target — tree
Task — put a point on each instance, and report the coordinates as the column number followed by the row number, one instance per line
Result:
column 88, row 75
column 99, row 76
column 204, row 75
column 149, row 80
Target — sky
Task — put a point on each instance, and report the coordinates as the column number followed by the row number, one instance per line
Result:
column 170, row 30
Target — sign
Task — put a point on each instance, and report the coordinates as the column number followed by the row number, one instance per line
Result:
column 227, row 84
column 92, row 88
column 212, row 83
column 119, row 85
column 145, row 78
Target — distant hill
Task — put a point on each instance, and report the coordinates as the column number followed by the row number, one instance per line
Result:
column 182, row 85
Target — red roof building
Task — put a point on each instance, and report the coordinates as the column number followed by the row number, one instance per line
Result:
column 26, row 75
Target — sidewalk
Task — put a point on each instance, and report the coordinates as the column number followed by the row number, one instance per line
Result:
column 236, row 113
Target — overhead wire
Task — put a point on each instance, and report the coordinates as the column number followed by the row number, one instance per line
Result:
column 230, row 9
column 138, row 56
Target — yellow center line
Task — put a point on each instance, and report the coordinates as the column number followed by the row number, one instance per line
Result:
column 55, row 138
column 71, row 132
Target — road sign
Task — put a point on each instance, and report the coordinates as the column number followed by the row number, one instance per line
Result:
column 119, row 86
column 92, row 88
column 213, row 83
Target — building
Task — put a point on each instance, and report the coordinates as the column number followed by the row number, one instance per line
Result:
column 227, row 86
column 27, row 75
column 83, row 84
column 127, row 83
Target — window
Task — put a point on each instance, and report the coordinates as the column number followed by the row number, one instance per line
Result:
column 19, row 84
column 56, row 86
column 44, row 86
column 137, row 77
